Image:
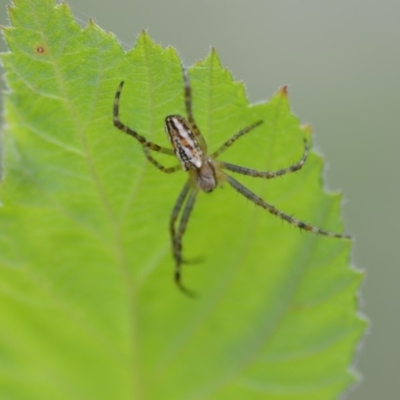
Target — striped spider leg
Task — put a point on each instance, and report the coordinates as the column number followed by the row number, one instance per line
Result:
column 205, row 173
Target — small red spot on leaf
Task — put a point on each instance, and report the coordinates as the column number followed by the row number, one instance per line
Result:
column 40, row 50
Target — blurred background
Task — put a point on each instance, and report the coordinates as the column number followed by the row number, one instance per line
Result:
column 341, row 61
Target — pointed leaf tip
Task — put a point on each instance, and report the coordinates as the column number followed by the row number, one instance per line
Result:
column 307, row 129
column 213, row 57
column 283, row 91
column 144, row 38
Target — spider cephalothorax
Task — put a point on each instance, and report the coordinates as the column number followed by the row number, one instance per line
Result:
column 205, row 173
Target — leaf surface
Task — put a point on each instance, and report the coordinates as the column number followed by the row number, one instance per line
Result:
column 88, row 305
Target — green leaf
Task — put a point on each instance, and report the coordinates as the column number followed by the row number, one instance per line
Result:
column 89, row 309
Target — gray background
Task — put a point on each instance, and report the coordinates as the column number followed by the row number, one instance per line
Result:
column 341, row 60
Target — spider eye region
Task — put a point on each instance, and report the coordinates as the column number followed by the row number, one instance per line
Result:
column 183, row 141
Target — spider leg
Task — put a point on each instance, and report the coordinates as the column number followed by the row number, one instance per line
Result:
column 268, row 174
column 235, row 137
column 273, row 210
column 176, row 210
column 167, row 170
column 189, row 111
column 189, row 196
column 124, row 128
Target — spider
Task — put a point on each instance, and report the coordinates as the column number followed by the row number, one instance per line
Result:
column 205, row 172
